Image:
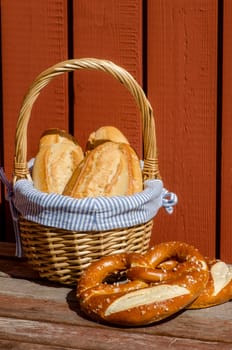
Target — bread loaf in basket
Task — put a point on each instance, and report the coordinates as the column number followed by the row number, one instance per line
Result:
column 61, row 235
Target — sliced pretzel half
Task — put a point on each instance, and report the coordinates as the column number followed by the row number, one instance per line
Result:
column 219, row 287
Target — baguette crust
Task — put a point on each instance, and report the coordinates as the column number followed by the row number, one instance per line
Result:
column 54, row 165
column 108, row 170
column 54, row 135
column 103, row 134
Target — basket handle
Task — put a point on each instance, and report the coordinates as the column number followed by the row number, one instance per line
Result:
column 151, row 170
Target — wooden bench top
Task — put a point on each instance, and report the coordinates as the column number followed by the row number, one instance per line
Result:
column 36, row 314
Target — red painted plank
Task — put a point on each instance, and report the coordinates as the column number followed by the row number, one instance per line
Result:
column 182, row 79
column 226, row 189
column 34, row 36
column 107, row 29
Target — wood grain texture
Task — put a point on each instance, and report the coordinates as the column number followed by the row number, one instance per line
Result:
column 14, row 345
column 182, row 88
column 108, row 29
column 34, row 36
column 87, row 338
column 7, row 249
column 226, row 170
column 42, row 302
column 36, row 314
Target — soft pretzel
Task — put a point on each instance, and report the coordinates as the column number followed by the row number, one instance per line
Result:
column 165, row 261
column 217, row 291
column 219, row 287
column 138, row 301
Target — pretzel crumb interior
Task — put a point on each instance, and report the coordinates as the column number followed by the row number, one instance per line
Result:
column 143, row 297
column 222, row 275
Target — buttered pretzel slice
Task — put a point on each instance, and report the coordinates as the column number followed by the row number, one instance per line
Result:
column 219, row 287
column 139, row 301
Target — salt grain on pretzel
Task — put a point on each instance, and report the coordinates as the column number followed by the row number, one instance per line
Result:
column 165, row 261
column 140, row 302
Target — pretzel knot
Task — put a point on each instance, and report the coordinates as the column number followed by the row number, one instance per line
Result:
column 146, row 288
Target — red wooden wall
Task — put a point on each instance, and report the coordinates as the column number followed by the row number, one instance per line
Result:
column 178, row 50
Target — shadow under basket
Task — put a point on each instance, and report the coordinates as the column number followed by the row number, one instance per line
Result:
column 58, row 254
column 62, row 256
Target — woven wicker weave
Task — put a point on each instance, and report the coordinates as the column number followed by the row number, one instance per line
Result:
column 61, row 255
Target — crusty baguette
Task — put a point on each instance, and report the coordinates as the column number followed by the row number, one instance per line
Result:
column 54, row 165
column 54, row 135
column 103, row 134
column 109, row 169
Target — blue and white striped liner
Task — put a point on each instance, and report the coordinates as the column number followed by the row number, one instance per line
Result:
column 89, row 214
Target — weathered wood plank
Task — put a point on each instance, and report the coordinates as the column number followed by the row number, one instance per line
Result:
column 95, row 339
column 208, row 325
column 33, row 289
column 40, row 313
column 11, row 266
column 17, row 268
column 39, row 302
column 15, row 345
column 7, row 249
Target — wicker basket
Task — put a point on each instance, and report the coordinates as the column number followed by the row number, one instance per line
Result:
column 61, row 255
